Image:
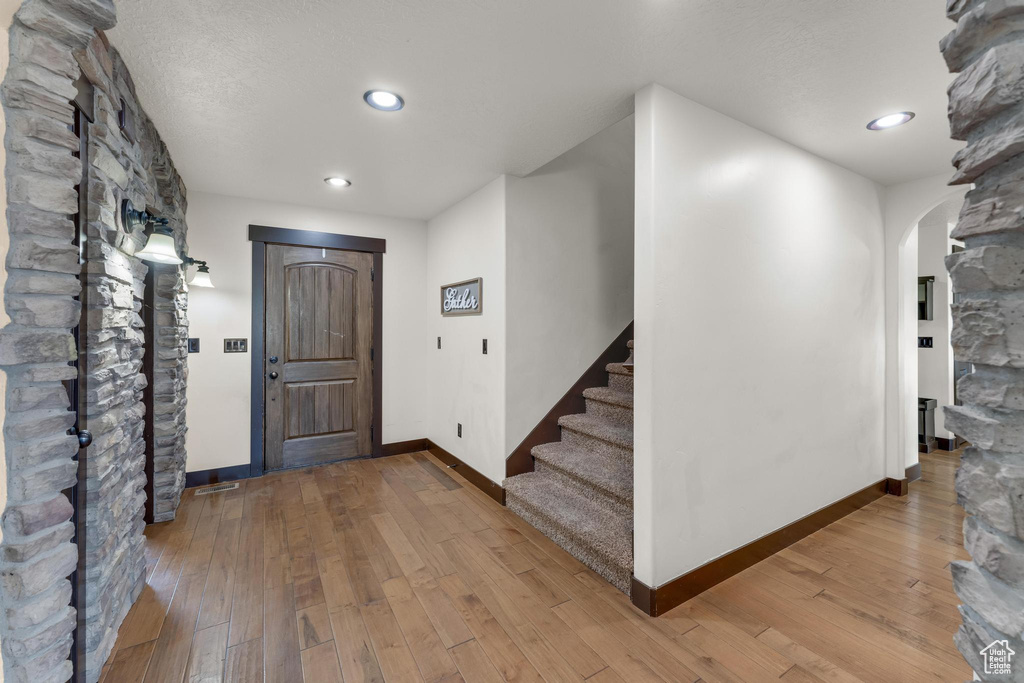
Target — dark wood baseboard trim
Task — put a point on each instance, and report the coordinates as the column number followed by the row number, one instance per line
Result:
column 901, row 487
column 927, row 447
column 897, row 487
column 468, row 473
column 402, row 447
column 547, row 430
column 656, row 601
column 945, row 444
column 645, row 598
column 217, row 475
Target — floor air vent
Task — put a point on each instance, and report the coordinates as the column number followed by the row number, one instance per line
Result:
column 217, row 489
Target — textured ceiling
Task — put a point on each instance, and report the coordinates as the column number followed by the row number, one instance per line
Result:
column 263, row 98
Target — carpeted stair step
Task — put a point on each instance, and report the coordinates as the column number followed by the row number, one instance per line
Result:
column 610, row 404
column 598, row 536
column 620, row 377
column 596, row 435
column 595, row 475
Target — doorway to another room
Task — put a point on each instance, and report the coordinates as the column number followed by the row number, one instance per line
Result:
column 936, row 370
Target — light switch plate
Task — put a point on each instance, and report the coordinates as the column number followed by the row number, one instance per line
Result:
column 236, row 345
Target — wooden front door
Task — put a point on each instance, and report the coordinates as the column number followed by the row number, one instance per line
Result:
column 318, row 370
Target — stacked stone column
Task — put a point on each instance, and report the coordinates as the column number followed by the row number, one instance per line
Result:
column 170, row 376
column 53, row 42
column 115, row 280
column 986, row 109
column 36, row 555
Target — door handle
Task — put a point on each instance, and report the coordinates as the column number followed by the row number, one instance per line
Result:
column 273, row 375
column 84, row 438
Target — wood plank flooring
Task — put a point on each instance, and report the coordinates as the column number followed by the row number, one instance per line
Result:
column 398, row 570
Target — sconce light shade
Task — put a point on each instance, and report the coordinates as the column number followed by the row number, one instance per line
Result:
column 202, row 277
column 160, row 248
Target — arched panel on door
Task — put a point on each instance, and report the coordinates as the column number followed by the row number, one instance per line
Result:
column 320, row 316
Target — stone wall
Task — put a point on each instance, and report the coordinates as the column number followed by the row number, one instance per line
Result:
column 114, row 347
column 986, row 108
column 52, row 43
column 144, row 173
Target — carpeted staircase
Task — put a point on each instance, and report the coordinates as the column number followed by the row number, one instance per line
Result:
column 581, row 492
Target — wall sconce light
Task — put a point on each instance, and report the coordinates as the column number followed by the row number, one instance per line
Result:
column 160, row 247
column 202, row 276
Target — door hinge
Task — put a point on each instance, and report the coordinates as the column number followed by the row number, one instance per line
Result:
column 371, row 274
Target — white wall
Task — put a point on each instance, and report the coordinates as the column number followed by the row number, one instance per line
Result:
column 560, row 239
column 464, row 385
column 218, row 383
column 759, row 332
column 569, row 239
column 908, row 293
column 935, row 365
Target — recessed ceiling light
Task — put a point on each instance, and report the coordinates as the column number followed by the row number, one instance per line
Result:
column 383, row 100
column 337, row 182
column 891, row 120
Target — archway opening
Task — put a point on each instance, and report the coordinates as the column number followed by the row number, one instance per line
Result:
column 923, row 368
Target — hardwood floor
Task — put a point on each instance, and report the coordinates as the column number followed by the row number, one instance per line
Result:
column 396, row 569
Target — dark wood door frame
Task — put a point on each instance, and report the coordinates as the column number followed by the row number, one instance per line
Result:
column 261, row 236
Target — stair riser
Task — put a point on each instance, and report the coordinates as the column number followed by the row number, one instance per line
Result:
column 620, row 382
column 611, row 412
column 582, row 441
column 620, row 577
column 621, row 506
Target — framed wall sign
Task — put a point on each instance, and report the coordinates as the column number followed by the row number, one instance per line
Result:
column 463, row 298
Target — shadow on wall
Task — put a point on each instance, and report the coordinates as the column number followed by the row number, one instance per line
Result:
column 570, row 270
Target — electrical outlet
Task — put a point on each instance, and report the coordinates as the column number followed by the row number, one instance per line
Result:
column 925, row 343
column 193, row 344
column 460, row 430
column 485, row 347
